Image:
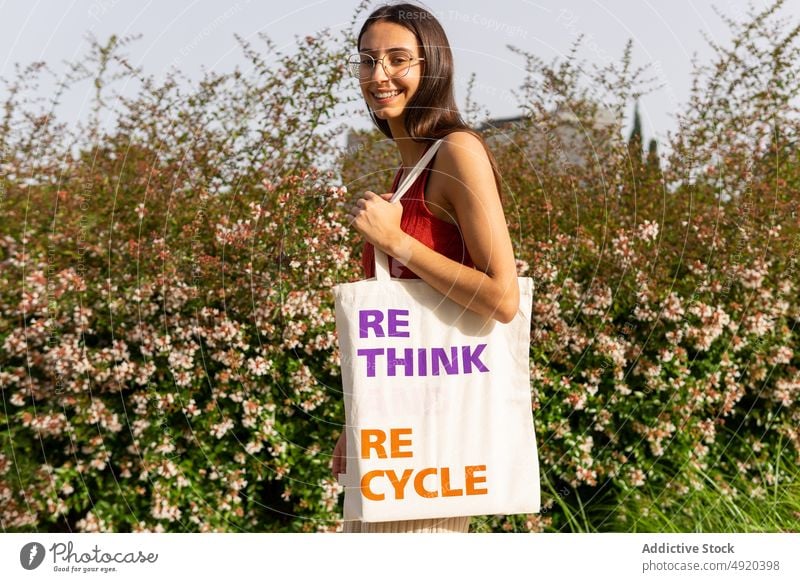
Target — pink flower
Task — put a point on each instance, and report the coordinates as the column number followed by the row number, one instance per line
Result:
column 636, row 477
column 648, row 231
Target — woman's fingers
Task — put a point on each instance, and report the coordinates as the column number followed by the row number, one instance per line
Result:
column 361, row 202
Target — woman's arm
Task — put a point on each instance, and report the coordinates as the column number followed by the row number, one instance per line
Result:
column 489, row 289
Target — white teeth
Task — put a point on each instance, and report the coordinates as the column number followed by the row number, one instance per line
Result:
column 386, row 95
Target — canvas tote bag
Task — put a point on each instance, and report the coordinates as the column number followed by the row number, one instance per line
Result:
column 437, row 401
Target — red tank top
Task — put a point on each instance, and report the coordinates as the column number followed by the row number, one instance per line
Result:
column 418, row 221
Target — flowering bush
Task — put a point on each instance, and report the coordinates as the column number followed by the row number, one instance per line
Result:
column 166, row 328
column 665, row 319
column 168, row 349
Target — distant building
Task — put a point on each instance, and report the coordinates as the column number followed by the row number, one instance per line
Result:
column 561, row 137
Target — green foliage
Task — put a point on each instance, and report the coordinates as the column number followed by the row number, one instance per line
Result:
column 167, row 355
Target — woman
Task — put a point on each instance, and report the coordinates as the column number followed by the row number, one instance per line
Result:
column 449, row 230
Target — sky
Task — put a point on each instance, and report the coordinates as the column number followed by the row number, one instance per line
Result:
column 199, row 34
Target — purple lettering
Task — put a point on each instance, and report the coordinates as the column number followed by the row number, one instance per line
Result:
column 422, row 362
column 394, row 323
column 370, row 318
column 407, row 362
column 438, row 356
column 371, row 354
column 436, row 361
column 470, row 358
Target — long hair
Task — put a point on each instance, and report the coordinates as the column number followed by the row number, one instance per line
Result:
column 432, row 112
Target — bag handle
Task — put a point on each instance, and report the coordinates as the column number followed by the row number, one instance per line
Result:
column 381, row 260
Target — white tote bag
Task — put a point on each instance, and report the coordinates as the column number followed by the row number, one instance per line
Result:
column 437, row 401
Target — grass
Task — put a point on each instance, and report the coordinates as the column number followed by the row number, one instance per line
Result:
column 723, row 503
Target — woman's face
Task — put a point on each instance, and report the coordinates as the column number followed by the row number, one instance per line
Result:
column 377, row 41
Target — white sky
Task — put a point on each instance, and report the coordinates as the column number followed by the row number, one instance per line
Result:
column 199, row 34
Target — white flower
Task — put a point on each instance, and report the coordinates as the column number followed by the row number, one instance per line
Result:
column 648, row 231
column 259, row 366
column 219, row 429
column 637, row 477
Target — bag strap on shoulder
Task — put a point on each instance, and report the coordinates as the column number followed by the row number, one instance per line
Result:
column 381, row 260
column 416, row 171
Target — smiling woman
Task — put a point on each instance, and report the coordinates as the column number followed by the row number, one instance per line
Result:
column 450, row 229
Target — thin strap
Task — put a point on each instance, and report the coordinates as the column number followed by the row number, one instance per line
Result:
column 381, row 260
column 418, row 169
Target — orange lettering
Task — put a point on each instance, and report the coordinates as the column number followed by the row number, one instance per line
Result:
column 472, row 479
column 366, row 491
column 419, row 485
column 474, row 482
column 446, row 491
column 399, row 486
column 368, row 443
column 396, row 433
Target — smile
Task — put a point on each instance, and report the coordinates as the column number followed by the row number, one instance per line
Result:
column 386, row 96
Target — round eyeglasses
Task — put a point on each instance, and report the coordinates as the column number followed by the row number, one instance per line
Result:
column 395, row 64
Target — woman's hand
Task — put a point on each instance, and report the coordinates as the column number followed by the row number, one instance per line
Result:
column 340, row 456
column 377, row 219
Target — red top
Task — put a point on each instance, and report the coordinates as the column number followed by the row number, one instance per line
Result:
column 418, row 221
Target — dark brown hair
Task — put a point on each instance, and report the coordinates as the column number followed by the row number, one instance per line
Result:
column 432, row 112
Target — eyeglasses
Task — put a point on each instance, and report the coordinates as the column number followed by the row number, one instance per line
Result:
column 395, row 64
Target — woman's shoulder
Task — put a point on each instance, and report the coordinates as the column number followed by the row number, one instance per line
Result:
column 462, row 142
column 462, row 152
column 462, row 172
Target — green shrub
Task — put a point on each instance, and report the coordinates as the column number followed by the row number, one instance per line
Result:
column 166, row 326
